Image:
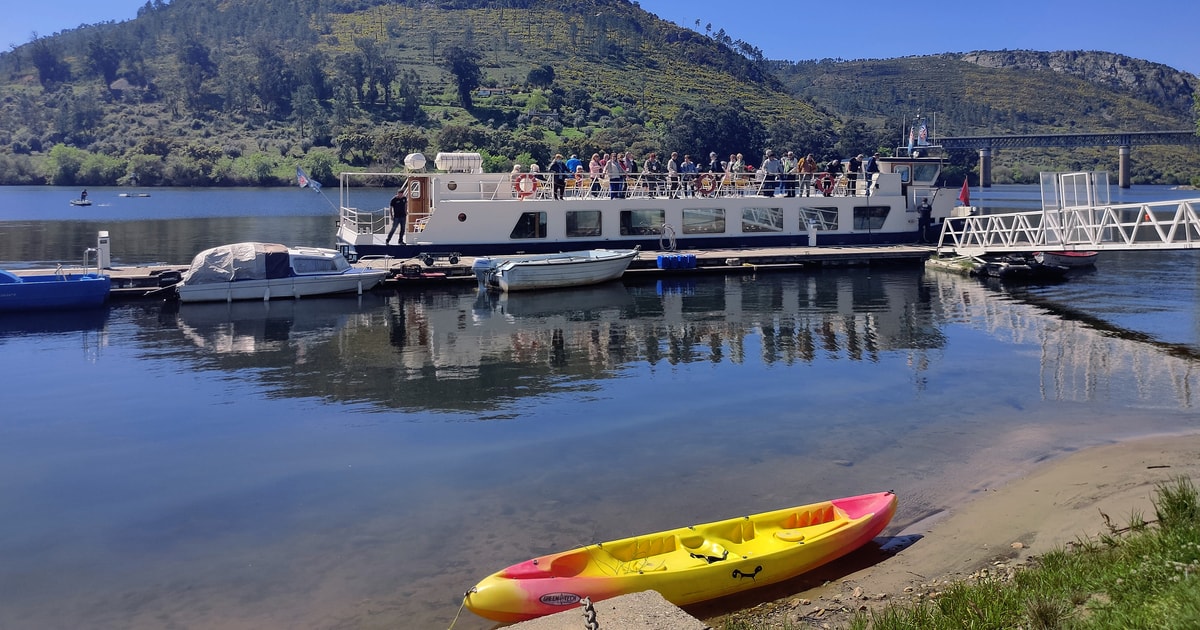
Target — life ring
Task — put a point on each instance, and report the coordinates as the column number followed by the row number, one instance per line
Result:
column 824, row 183
column 525, row 185
column 707, row 184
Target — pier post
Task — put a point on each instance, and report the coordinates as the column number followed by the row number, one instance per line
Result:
column 1123, row 166
column 985, row 167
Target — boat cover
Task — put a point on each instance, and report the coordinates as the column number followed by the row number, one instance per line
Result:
column 239, row 261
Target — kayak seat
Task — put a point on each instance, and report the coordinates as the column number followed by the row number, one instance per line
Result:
column 702, row 549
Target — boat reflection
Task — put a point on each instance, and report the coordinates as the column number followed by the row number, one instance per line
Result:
column 578, row 301
column 42, row 322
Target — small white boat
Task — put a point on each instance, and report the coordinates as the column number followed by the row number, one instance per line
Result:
column 552, row 271
column 265, row 271
column 1070, row 259
column 81, row 202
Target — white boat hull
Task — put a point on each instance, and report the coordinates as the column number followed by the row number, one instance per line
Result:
column 283, row 288
column 552, row 271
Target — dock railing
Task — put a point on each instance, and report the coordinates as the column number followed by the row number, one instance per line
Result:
column 1157, row 225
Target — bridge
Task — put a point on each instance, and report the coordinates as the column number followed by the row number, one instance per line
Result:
column 1124, row 141
column 1076, row 216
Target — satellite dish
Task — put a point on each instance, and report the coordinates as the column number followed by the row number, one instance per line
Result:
column 414, row 161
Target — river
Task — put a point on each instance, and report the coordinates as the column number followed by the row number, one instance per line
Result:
column 360, row 462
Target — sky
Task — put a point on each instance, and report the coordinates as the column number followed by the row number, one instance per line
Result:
column 1165, row 32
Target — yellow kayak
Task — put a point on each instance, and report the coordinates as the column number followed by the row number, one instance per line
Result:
column 689, row 564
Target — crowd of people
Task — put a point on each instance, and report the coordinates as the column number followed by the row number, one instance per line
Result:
column 616, row 174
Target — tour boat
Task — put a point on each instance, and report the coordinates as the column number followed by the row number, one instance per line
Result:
column 265, row 271
column 458, row 210
column 688, row 564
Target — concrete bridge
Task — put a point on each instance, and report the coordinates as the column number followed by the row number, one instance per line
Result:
column 1124, row 141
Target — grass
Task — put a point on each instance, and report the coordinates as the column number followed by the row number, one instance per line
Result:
column 1145, row 575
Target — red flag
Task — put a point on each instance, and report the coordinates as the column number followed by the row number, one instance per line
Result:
column 965, row 195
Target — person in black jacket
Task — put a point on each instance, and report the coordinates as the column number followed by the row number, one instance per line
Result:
column 399, row 205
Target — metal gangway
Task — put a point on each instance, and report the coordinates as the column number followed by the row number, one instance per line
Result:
column 1076, row 215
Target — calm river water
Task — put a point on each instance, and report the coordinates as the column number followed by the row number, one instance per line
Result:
column 360, row 462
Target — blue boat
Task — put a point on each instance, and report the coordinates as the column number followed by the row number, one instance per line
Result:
column 57, row 291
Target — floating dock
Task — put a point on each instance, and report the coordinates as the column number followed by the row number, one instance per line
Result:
column 152, row 281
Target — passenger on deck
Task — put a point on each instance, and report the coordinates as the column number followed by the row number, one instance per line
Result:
column 673, row 175
column 790, row 173
column 652, row 169
column 596, row 169
column 688, row 172
column 852, row 169
column 772, row 169
column 615, row 170
column 558, row 170
column 808, row 171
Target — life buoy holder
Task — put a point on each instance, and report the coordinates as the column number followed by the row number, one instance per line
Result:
column 824, row 183
column 706, row 185
column 525, row 185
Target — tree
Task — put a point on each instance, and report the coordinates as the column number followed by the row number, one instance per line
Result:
column 50, row 66
column 541, row 77
column 464, row 65
column 104, row 59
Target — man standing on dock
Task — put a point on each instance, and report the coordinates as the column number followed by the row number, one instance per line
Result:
column 399, row 206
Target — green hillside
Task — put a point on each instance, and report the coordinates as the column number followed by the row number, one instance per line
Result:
column 234, row 92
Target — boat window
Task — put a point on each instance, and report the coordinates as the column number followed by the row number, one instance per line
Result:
column 313, row 265
column 870, row 217
column 822, row 217
column 904, row 172
column 925, row 173
column 583, row 223
column 703, row 220
column 640, row 222
column 530, row 225
column 762, row 219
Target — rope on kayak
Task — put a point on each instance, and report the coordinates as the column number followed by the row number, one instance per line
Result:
column 589, row 614
column 460, row 607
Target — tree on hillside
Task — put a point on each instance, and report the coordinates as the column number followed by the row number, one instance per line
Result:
column 541, row 77
column 725, row 128
column 464, row 65
column 50, row 66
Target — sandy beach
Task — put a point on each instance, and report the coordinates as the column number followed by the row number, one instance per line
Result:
column 995, row 529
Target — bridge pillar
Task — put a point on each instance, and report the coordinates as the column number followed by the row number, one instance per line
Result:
column 985, row 167
column 1123, row 166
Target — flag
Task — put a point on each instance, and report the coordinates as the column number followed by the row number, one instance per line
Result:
column 911, row 140
column 923, row 136
column 304, row 181
column 965, row 195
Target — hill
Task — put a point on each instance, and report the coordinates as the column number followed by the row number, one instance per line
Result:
column 195, row 92
column 1017, row 92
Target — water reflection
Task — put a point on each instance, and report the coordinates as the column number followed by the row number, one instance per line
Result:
column 456, row 349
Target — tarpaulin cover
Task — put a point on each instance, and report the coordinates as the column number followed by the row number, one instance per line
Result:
column 239, row 261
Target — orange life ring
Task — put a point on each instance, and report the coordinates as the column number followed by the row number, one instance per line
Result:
column 525, row 185
column 706, row 185
column 824, row 183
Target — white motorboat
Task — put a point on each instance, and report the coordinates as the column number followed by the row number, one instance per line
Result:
column 265, row 271
column 552, row 271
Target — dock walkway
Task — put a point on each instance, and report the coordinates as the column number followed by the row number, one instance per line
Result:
column 149, row 281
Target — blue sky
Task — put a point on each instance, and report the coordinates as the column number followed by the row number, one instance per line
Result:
column 1165, row 32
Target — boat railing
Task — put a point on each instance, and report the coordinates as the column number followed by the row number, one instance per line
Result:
column 363, row 221
column 540, row 186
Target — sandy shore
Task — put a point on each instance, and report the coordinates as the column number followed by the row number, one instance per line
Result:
column 996, row 529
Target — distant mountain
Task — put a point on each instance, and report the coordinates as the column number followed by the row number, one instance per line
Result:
column 221, row 92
